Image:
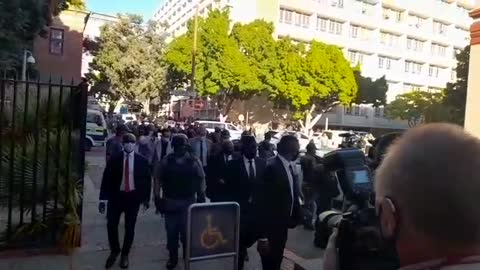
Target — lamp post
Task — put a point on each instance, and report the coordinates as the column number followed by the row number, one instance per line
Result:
column 27, row 59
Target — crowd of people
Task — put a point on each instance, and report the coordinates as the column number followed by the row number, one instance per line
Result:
column 413, row 181
column 190, row 166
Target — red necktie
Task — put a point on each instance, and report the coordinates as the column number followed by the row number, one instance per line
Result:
column 127, row 174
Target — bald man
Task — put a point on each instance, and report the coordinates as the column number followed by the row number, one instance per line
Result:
column 427, row 198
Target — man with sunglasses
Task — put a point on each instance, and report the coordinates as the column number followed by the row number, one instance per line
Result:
column 427, row 191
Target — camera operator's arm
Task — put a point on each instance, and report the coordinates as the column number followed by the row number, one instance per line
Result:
column 330, row 258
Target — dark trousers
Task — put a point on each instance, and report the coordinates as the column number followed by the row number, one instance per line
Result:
column 247, row 233
column 277, row 239
column 123, row 203
column 176, row 223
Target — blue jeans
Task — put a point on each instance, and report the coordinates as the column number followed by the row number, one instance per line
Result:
column 176, row 223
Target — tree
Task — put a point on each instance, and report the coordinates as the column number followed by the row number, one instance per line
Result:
column 456, row 93
column 129, row 61
column 314, row 79
column 223, row 73
column 416, row 107
column 371, row 91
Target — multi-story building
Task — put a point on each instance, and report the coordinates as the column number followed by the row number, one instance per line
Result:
column 412, row 43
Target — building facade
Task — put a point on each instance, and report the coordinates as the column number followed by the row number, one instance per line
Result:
column 412, row 43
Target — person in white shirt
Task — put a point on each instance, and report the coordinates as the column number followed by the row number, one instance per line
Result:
column 126, row 184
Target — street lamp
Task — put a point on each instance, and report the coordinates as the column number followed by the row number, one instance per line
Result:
column 27, row 58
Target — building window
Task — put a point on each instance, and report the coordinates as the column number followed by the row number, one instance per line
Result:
column 286, row 16
column 391, row 14
column 437, row 49
column 389, row 39
column 415, row 44
column 439, row 28
column 355, row 57
column 433, row 71
column 302, row 20
column 384, row 62
column 348, row 110
column 56, row 41
column 453, row 75
column 416, row 21
column 379, row 111
column 357, row 109
column 354, row 31
column 413, row 67
column 322, row 24
column 337, row 3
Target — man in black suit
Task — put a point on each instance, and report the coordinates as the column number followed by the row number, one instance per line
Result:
column 278, row 203
column 126, row 184
column 242, row 177
column 217, row 164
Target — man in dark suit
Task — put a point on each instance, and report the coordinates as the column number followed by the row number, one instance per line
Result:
column 242, row 177
column 216, row 170
column 126, row 184
column 278, row 203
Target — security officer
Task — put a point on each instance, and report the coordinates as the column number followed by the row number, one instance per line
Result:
column 182, row 179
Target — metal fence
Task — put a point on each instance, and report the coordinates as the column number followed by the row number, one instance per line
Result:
column 42, row 163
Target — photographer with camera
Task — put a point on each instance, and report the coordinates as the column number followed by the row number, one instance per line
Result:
column 427, row 191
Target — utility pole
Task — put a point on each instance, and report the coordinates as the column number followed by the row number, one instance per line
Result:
column 194, row 51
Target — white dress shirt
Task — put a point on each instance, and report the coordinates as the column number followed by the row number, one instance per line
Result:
column 246, row 162
column 131, row 157
column 286, row 165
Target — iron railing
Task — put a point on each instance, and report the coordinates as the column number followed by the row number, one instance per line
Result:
column 42, row 163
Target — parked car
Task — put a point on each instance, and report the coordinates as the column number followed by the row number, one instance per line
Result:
column 235, row 133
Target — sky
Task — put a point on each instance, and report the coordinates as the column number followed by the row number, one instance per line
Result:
column 112, row 7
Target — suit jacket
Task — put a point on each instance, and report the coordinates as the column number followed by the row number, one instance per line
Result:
column 238, row 186
column 273, row 200
column 113, row 176
column 216, row 171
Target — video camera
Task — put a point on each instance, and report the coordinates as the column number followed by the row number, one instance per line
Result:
column 359, row 243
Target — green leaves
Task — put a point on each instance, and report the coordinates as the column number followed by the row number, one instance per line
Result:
column 130, row 59
column 371, row 91
column 456, row 93
column 415, row 107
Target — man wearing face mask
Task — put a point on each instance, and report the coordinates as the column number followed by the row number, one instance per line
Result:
column 126, row 184
column 277, row 203
column 243, row 177
column 182, row 180
column 216, row 170
column 427, row 190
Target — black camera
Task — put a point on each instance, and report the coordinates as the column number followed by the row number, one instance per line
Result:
column 359, row 243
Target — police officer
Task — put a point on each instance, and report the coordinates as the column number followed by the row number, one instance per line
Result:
column 182, row 179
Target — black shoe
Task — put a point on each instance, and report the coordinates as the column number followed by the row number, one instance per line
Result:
column 172, row 263
column 124, row 261
column 111, row 259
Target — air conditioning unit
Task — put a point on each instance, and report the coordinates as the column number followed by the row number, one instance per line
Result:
column 417, row 25
column 386, row 16
column 364, row 11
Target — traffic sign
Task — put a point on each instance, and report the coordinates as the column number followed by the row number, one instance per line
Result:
column 212, row 236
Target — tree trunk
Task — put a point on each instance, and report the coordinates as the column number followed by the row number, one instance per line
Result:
column 309, row 120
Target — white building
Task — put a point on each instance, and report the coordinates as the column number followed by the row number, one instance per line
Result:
column 93, row 24
column 411, row 42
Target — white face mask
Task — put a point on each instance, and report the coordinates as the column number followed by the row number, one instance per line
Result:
column 128, row 147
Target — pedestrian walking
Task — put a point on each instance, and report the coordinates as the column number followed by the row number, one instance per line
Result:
column 277, row 203
column 308, row 163
column 147, row 143
column 201, row 146
column 126, row 184
column 266, row 148
column 243, row 176
column 182, row 180
column 216, row 171
column 113, row 146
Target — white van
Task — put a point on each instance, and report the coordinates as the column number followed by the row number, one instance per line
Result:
column 235, row 133
column 97, row 131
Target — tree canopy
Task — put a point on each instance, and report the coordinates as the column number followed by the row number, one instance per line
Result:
column 371, row 91
column 456, row 92
column 415, row 107
column 128, row 61
column 223, row 72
